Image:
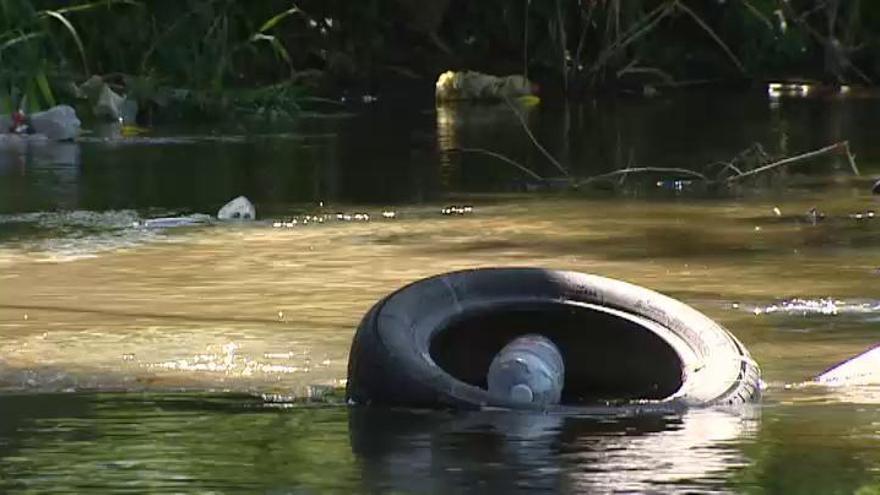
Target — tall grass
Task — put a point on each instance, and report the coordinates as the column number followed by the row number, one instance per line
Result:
column 258, row 53
column 585, row 44
column 204, row 46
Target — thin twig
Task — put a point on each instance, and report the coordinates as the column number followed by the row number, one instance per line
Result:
column 691, row 83
column 760, row 152
column 501, row 157
column 526, row 40
column 632, row 63
column 725, row 166
column 684, row 8
column 757, row 13
column 632, row 69
column 543, row 150
column 641, row 170
column 792, row 159
column 755, row 149
column 583, row 36
column 807, row 13
column 802, row 22
column 851, row 157
column 864, row 77
column 650, row 21
column 563, row 46
column 629, row 164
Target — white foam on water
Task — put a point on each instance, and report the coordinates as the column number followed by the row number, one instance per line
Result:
column 73, row 235
column 227, row 360
column 818, row 307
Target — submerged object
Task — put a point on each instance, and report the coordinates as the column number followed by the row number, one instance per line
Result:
column 876, row 188
column 58, row 123
column 470, row 85
column 431, row 344
column 168, row 222
column 863, row 369
column 528, row 370
column 239, row 208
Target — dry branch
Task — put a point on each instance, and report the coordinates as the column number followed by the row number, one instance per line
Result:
column 641, row 170
column 639, row 29
column 757, row 13
column 851, row 158
column 684, row 8
column 834, row 148
column 501, row 157
column 755, row 150
column 543, row 150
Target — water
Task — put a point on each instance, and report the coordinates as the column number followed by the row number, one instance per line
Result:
column 207, row 358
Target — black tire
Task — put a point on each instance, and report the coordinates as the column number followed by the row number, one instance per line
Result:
column 429, row 343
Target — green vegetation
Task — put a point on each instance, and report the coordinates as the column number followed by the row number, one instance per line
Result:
column 212, row 56
column 263, row 57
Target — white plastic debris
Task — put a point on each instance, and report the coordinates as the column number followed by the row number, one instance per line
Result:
column 239, row 208
column 863, row 369
column 58, row 123
column 528, row 370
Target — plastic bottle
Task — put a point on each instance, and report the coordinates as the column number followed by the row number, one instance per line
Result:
column 529, row 370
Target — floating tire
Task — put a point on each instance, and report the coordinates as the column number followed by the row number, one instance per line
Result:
column 430, row 343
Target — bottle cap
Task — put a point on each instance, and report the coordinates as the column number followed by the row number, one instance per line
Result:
column 521, row 393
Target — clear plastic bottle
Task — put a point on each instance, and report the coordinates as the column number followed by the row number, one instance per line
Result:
column 529, row 370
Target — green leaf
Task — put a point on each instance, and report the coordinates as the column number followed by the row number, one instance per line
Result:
column 19, row 39
column 72, row 30
column 31, row 102
column 96, row 3
column 277, row 47
column 274, row 20
column 6, row 103
column 45, row 90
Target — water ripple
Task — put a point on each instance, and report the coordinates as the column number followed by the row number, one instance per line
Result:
column 820, row 306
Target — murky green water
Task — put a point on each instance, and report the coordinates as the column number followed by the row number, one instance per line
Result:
column 196, row 359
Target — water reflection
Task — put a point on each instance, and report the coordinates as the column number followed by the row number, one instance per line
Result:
column 506, row 452
column 173, row 443
column 393, row 155
column 179, row 442
column 50, row 166
column 16, row 151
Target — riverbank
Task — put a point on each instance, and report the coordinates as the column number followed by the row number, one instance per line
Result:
column 216, row 59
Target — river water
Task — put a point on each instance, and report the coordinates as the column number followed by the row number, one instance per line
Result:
column 209, row 358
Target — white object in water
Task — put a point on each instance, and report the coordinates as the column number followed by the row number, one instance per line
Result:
column 529, row 371
column 166, row 222
column 58, row 123
column 239, row 208
column 863, row 369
